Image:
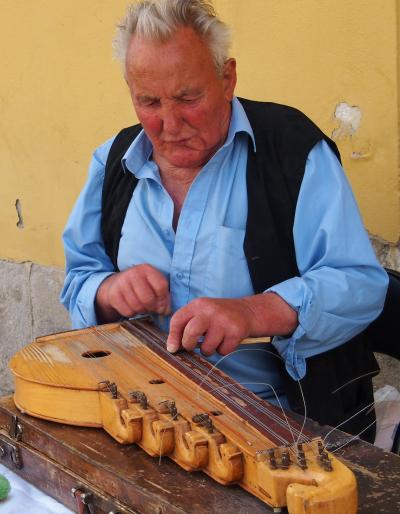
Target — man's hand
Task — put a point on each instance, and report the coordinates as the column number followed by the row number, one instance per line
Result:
column 225, row 322
column 137, row 290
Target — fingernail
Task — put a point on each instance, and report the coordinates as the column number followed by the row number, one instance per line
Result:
column 163, row 309
column 172, row 348
column 171, row 345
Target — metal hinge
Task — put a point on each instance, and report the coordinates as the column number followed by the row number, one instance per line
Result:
column 15, row 429
column 12, row 453
column 84, row 501
column 16, row 458
column 8, row 450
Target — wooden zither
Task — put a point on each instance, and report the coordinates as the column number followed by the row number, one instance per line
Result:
column 120, row 377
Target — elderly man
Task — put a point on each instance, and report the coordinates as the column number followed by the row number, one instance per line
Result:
column 226, row 218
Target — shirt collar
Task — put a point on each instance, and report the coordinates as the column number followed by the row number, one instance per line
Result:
column 139, row 152
column 239, row 123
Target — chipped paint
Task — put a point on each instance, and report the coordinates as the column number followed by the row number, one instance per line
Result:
column 349, row 118
column 18, row 207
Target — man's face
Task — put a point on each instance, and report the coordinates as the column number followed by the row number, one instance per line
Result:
column 181, row 101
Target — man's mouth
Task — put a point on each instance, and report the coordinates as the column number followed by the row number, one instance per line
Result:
column 176, row 141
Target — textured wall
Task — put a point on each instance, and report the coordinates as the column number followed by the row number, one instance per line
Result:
column 29, row 308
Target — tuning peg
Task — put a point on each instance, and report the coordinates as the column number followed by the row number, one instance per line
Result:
column 301, row 457
column 272, row 459
column 139, row 397
column 171, row 407
column 204, row 420
column 285, row 459
column 111, row 387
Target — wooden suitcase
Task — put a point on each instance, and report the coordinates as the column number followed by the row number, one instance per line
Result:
column 111, row 478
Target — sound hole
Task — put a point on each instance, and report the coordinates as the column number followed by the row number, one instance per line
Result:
column 156, row 381
column 96, row 354
column 216, row 412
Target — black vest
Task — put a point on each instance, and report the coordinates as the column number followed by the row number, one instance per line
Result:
column 284, row 137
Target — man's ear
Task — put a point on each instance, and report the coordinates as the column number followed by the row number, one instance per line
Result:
column 229, row 78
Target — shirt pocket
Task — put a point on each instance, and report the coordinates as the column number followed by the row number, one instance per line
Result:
column 228, row 274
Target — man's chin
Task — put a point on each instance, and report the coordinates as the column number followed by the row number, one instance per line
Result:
column 187, row 159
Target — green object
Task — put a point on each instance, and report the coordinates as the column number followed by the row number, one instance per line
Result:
column 4, row 487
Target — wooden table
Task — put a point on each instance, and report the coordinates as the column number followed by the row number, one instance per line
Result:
column 57, row 458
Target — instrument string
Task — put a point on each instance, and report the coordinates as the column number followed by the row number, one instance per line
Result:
column 226, row 385
column 99, row 370
column 45, row 362
column 160, row 345
column 111, row 338
column 245, row 396
column 263, row 384
column 348, row 419
column 305, row 412
column 369, row 406
column 253, row 402
column 106, row 337
column 108, row 370
column 262, row 409
column 354, row 437
column 238, row 392
column 354, row 380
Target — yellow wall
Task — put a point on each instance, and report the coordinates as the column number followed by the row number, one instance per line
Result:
column 61, row 95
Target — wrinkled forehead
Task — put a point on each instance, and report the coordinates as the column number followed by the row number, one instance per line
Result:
column 184, row 47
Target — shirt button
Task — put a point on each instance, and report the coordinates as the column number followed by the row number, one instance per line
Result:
column 179, row 275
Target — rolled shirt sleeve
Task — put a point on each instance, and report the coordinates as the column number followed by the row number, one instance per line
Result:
column 87, row 263
column 341, row 287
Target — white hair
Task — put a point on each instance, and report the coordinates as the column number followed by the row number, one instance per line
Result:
column 158, row 20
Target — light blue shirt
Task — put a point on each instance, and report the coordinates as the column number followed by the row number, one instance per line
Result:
column 341, row 287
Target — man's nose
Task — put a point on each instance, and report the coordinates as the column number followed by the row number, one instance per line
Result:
column 172, row 121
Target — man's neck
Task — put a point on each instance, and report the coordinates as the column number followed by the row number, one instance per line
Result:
column 177, row 182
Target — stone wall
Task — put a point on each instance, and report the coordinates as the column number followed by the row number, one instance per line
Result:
column 29, row 307
column 388, row 253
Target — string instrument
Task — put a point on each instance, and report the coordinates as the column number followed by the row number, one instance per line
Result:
column 120, row 377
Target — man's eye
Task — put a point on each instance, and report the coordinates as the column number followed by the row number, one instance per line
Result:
column 149, row 103
column 189, row 100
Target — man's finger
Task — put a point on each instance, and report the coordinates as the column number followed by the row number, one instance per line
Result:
column 176, row 328
column 159, row 284
column 212, row 340
column 164, row 306
column 194, row 329
column 131, row 301
column 124, row 307
column 228, row 345
column 145, row 293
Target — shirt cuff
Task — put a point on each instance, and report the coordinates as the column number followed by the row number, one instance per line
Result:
column 296, row 293
column 84, row 314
